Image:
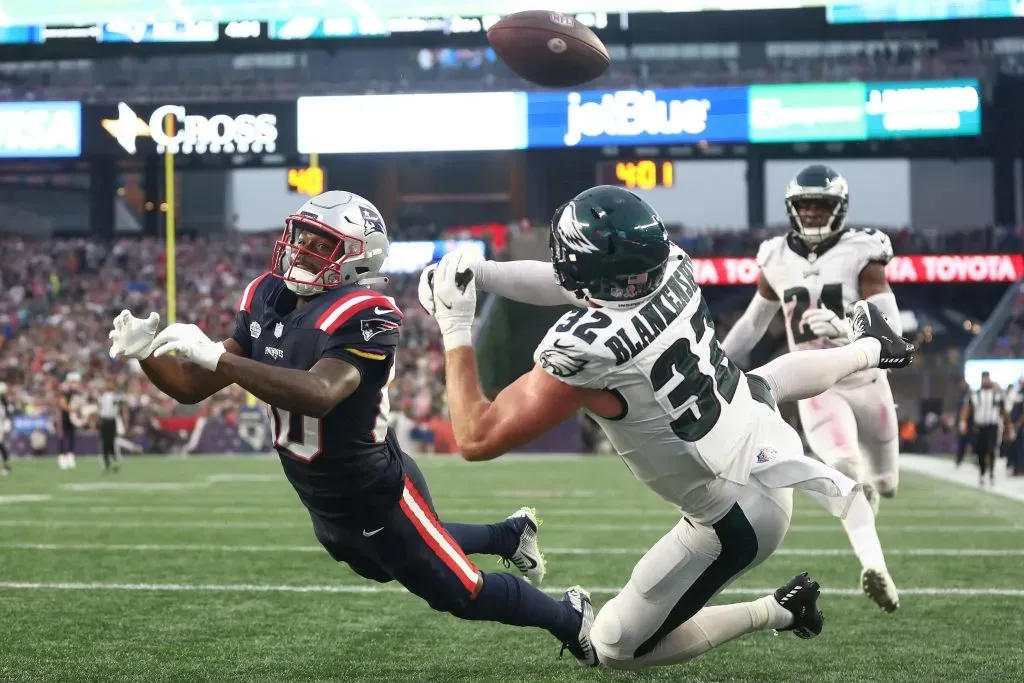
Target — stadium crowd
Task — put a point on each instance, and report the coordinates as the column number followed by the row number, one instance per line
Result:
column 57, row 300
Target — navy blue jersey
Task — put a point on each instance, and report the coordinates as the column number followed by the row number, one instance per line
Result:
column 344, row 462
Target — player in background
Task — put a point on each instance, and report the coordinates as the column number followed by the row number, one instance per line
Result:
column 68, row 401
column 318, row 346
column 814, row 272
column 6, row 426
column 642, row 359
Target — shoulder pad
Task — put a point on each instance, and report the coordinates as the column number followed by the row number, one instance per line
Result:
column 769, row 249
column 565, row 354
column 249, row 293
column 873, row 246
column 370, row 312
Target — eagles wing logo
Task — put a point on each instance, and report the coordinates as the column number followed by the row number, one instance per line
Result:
column 374, row 326
column 560, row 362
column 570, row 229
column 372, row 222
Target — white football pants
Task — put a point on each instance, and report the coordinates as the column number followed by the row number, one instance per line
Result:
column 688, row 567
column 855, row 430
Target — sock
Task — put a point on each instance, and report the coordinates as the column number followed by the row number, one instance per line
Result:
column 710, row 628
column 484, row 539
column 3, row 453
column 795, row 376
column 511, row 600
column 860, row 528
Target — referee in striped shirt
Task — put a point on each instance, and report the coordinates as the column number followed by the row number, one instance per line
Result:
column 112, row 407
column 988, row 407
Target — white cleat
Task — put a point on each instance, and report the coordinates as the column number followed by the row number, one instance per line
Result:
column 879, row 586
column 582, row 648
column 527, row 558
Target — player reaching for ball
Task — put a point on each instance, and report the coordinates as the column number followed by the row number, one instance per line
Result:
column 640, row 356
column 315, row 343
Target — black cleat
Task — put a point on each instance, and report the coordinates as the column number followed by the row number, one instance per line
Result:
column 800, row 596
column 867, row 321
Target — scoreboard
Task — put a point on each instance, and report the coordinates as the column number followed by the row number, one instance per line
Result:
column 637, row 174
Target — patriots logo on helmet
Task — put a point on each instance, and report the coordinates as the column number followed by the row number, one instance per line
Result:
column 371, row 328
column 372, row 222
column 560, row 362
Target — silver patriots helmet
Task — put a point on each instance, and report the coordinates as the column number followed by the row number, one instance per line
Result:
column 817, row 201
column 336, row 238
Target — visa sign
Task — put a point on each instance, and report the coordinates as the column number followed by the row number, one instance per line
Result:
column 40, row 130
column 634, row 117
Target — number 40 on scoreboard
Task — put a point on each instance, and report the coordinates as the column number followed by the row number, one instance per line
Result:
column 637, row 174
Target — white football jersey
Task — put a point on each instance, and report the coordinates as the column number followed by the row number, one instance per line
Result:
column 803, row 279
column 690, row 415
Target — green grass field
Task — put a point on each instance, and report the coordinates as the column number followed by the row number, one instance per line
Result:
column 206, row 570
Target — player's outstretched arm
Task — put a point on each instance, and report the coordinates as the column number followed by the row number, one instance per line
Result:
column 752, row 325
column 529, row 282
column 528, row 408
column 314, row 392
column 184, row 382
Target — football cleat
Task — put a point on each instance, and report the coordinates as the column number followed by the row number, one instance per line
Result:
column 879, row 586
column 582, row 649
column 800, row 597
column 527, row 558
column 867, row 321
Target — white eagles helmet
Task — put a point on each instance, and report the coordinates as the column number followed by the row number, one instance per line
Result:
column 359, row 254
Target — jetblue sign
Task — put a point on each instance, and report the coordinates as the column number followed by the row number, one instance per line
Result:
column 637, row 117
column 40, row 130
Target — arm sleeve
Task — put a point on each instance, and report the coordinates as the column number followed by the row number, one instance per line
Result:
column 749, row 329
column 886, row 303
column 529, row 282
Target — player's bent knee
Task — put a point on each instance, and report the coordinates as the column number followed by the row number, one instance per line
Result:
column 887, row 484
column 612, row 647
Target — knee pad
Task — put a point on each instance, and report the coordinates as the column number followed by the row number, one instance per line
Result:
column 607, row 639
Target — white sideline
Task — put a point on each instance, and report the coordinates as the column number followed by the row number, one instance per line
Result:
column 198, row 547
column 285, row 588
column 945, row 469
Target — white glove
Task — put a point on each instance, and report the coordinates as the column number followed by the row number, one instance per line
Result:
column 192, row 343
column 825, row 323
column 133, row 337
column 425, row 291
column 455, row 299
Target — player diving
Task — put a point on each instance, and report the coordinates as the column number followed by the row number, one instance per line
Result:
column 814, row 272
column 640, row 356
column 318, row 346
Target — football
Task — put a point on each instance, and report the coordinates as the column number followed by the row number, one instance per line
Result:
column 549, row 49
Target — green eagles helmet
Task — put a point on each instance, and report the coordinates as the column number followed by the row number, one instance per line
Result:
column 817, row 201
column 608, row 246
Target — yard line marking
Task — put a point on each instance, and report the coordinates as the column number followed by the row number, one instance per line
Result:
column 666, row 515
column 26, row 498
column 207, row 524
column 202, row 547
column 371, row 589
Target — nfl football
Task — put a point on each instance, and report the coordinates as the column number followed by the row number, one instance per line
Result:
column 549, row 49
